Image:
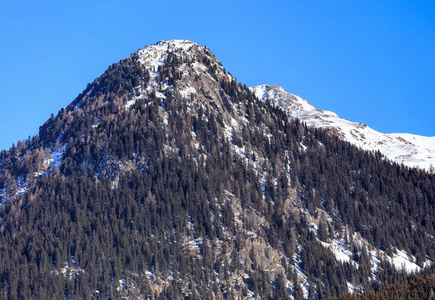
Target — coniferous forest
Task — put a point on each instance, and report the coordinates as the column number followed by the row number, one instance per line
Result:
column 422, row 287
column 212, row 195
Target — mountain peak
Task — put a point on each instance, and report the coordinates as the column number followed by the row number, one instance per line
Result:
column 157, row 53
column 168, row 46
column 174, row 43
column 186, row 69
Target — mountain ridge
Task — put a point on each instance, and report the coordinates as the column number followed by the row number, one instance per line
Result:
column 410, row 149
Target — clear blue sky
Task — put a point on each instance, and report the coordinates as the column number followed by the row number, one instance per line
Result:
column 368, row 61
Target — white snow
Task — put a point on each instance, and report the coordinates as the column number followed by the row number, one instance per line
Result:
column 22, row 189
column 56, row 156
column 187, row 91
column 411, row 150
column 155, row 55
column 2, row 196
column 122, row 284
column 69, row 271
column 199, row 66
column 130, row 103
column 350, row 287
column 303, row 279
column 339, row 249
column 400, row 259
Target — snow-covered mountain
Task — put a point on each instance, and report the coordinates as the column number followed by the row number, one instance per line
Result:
column 409, row 149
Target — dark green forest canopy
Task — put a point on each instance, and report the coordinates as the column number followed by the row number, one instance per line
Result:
column 422, row 287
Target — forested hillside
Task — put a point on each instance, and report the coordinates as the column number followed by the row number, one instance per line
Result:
column 167, row 179
column 420, row 288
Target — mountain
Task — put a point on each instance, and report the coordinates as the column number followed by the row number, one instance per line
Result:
column 411, row 150
column 167, row 179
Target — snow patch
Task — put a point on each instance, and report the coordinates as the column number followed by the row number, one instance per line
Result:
column 341, row 252
column 187, row 92
column 130, row 103
column 69, row 271
column 400, row 259
column 56, row 157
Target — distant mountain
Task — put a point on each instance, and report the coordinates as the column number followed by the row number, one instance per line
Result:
column 167, row 179
column 409, row 149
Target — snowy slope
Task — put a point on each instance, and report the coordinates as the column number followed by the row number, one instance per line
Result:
column 411, row 150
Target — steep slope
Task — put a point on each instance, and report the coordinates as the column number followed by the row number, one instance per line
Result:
column 422, row 287
column 167, row 179
column 411, row 150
